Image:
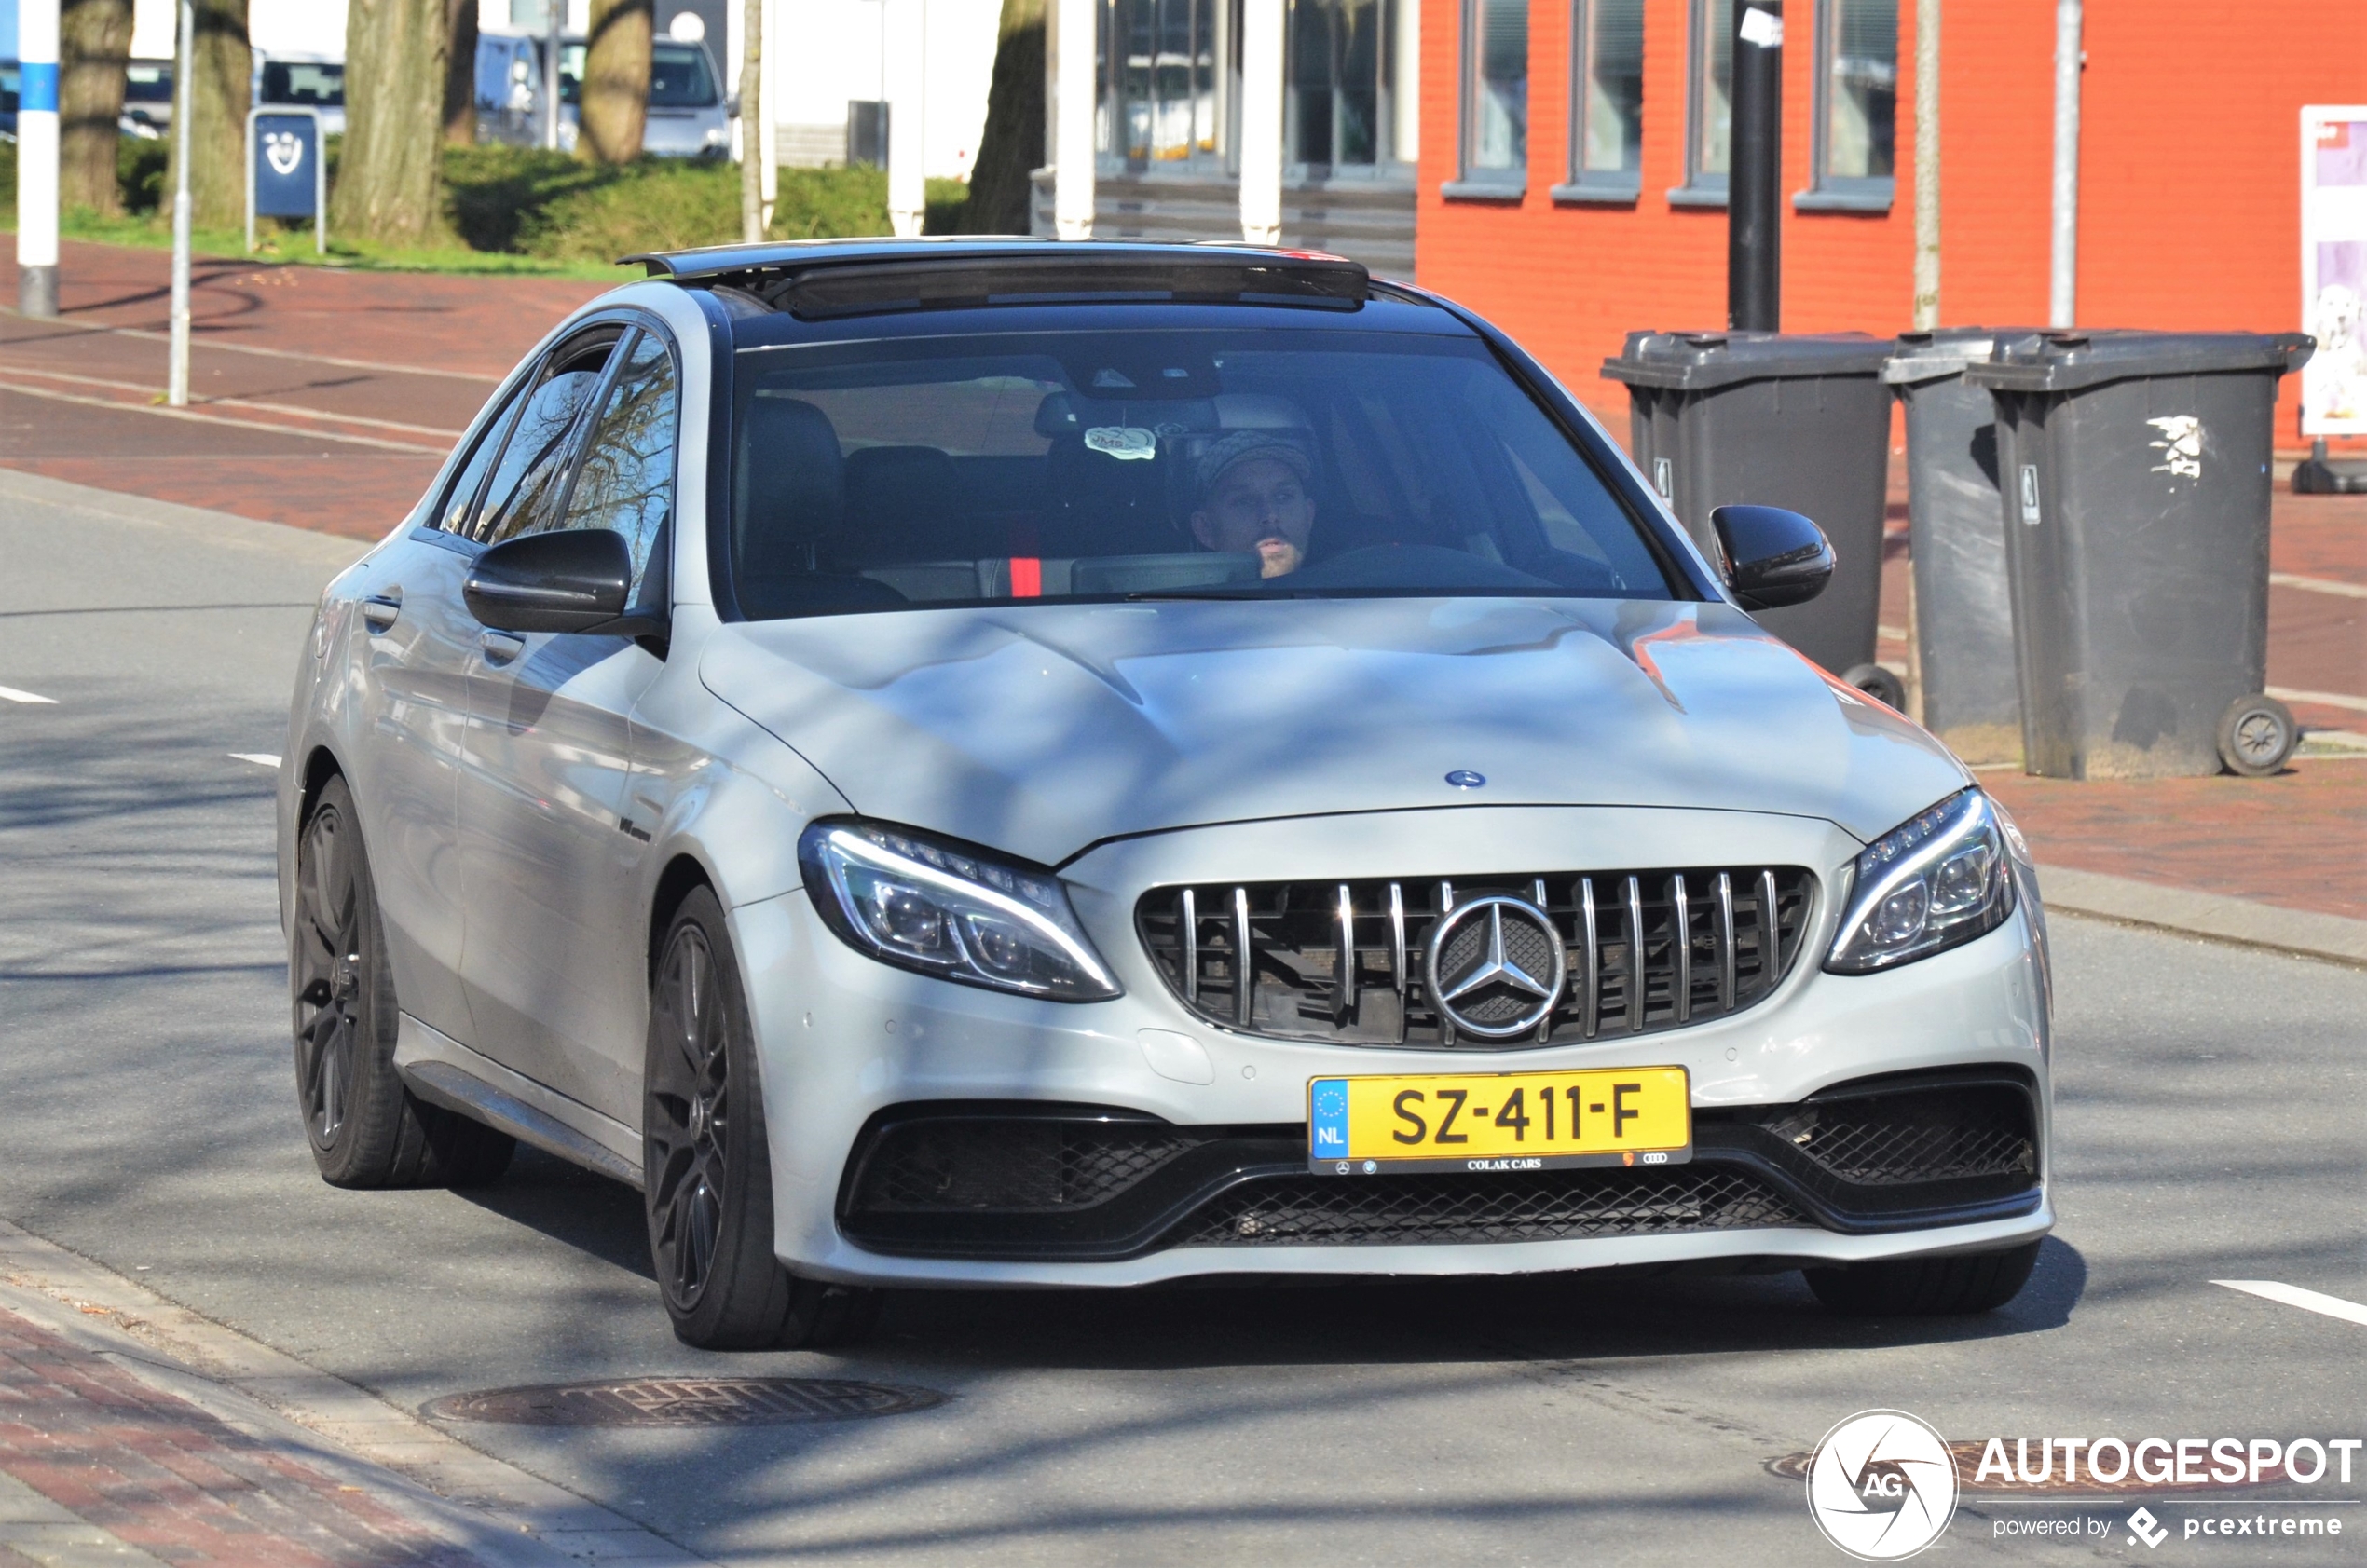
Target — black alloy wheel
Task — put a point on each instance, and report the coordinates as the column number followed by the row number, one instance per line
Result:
column 707, row 1172
column 366, row 1128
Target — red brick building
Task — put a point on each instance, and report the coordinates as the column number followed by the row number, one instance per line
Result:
column 2189, row 166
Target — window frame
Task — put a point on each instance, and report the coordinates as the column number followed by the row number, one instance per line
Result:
column 1847, row 193
column 1580, row 183
column 1702, row 188
column 654, row 594
column 1472, row 184
column 568, row 347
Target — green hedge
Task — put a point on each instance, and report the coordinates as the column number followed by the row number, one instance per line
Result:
column 541, row 207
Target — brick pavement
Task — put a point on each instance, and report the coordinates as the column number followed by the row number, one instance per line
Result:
column 170, row 1480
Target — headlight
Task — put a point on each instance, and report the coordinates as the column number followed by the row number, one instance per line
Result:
column 1926, row 886
column 911, row 901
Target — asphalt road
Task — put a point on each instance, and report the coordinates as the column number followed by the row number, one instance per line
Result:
column 2212, row 1125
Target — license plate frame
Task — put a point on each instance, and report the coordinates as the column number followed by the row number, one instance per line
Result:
column 1342, row 1139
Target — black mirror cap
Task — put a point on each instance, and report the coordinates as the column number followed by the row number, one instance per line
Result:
column 1771, row 557
column 575, row 579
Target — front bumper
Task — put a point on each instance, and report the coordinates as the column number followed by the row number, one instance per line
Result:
column 845, row 1042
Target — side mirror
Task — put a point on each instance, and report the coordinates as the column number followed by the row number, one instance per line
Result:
column 576, row 579
column 1772, row 557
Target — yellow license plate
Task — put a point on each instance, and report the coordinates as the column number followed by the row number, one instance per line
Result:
column 1499, row 1121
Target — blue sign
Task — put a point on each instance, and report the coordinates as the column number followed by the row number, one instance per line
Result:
column 287, row 160
column 1327, row 1115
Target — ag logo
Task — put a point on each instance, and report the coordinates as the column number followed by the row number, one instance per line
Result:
column 1881, row 1486
column 283, row 150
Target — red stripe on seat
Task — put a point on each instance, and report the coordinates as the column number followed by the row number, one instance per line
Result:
column 1027, row 576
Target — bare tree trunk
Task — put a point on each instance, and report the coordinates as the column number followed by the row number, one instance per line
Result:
column 460, row 75
column 752, row 121
column 221, row 87
column 1012, row 147
column 391, row 173
column 94, row 42
column 616, row 81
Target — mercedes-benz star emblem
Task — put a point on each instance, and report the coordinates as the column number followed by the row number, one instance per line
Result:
column 1463, row 778
column 1494, row 966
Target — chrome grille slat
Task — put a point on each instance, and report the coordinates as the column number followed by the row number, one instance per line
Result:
column 1665, row 948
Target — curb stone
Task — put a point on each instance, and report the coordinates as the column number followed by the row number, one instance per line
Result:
column 2211, row 915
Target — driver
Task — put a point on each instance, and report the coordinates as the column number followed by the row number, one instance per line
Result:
column 1252, row 487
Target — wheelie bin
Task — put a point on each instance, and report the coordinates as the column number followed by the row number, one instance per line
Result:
column 1796, row 420
column 1963, row 607
column 2135, row 470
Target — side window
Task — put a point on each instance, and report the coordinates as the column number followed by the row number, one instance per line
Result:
column 524, row 493
column 460, row 499
column 627, row 480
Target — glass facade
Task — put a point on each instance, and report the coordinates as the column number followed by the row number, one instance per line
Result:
column 1170, row 85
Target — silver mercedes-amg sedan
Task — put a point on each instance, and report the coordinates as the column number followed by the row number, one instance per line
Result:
column 998, row 764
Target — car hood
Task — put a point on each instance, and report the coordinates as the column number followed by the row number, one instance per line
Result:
column 1041, row 729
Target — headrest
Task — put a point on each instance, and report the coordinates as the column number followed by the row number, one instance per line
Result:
column 791, row 481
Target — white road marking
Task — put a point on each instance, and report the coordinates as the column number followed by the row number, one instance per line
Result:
column 207, row 346
column 2316, row 584
column 1896, row 634
column 262, row 405
column 260, row 758
column 2323, row 699
column 2294, row 1295
column 10, row 694
column 55, row 396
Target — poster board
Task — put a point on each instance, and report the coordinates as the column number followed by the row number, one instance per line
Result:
column 2334, row 269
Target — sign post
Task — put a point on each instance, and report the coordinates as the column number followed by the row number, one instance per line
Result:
column 286, row 175
column 37, row 158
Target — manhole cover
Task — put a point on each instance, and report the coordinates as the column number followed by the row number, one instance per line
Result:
column 687, row 1401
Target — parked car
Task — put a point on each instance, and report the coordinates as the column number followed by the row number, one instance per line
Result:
column 1015, row 764
column 147, row 98
column 689, row 115
column 303, row 81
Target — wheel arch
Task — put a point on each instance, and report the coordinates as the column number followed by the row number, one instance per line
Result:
column 682, row 875
column 321, row 765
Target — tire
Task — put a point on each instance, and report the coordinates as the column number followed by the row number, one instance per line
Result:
column 365, row 1129
column 2257, row 736
column 1881, row 684
column 1961, row 1283
column 709, row 1170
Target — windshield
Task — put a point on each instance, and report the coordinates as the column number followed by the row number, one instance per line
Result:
column 1161, row 464
column 303, row 82
column 680, row 77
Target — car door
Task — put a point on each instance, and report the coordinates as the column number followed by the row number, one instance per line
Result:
column 417, row 640
column 552, row 962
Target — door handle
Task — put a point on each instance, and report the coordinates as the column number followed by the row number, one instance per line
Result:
column 378, row 611
column 499, row 648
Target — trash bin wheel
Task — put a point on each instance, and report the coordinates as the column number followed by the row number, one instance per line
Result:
column 1879, row 683
column 2256, row 734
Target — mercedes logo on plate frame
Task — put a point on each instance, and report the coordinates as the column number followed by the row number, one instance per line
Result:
column 1494, row 967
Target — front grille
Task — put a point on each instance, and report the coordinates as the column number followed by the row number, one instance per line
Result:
column 1012, row 1166
column 1924, row 1135
column 1546, row 1206
column 1341, row 962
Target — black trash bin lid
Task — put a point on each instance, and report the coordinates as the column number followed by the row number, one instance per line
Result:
column 2064, row 362
column 1943, row 352
column 1695, row 360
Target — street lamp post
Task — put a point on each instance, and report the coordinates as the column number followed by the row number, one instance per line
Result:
column 1755, row 171
column 37, row 158
column 185, row 95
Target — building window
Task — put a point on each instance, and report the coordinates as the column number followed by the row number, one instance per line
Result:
column 1169, row 88
column 1160, row 83
column 1709, row 103
column 1606, row 101
column 1342, row 108
column 1495, row 153
column 1856, row 113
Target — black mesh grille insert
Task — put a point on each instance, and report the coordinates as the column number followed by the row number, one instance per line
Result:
column 1545, row 1205
column 1930, row 1135
column 1342, row 962
column 1011, row 1166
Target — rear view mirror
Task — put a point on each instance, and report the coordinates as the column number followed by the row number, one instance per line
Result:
column 577, row 580
column 1772, row 557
